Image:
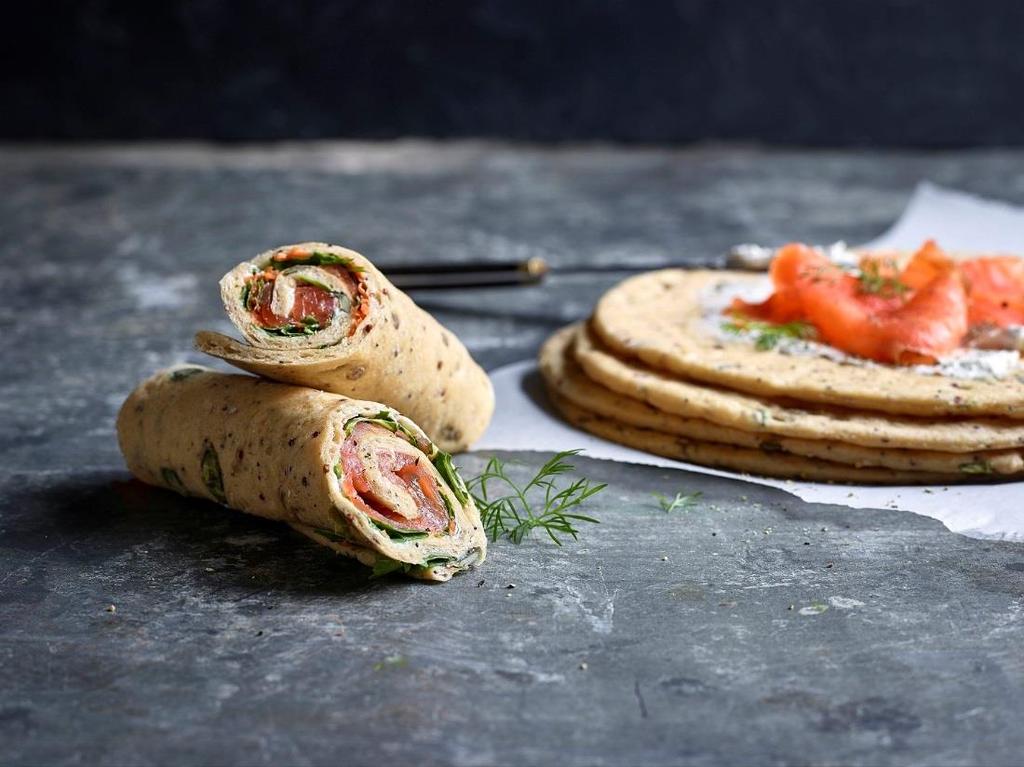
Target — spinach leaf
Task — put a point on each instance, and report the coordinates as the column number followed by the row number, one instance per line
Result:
column 976, row 467
column 308, row 327
column 331, row 535
column 182, row 373
column 443, row 463
column 317, row 258
column 384, row 567
column 172, row 480
column 212, row 476
column 397, row 533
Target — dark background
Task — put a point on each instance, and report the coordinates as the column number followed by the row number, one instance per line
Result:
column 815, row 72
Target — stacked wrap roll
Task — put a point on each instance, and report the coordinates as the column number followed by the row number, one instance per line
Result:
column 378, row 345
column 353, row 475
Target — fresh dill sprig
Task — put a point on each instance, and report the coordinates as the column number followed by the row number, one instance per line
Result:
column 873, row 281
column 682, row 501
column 767, row 334
column 540, row 503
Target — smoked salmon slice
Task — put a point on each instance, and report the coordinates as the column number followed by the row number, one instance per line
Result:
column 995, row 286
column 402, row 473
column 879, row 312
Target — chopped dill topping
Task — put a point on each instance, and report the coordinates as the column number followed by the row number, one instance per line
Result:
column 768, row 334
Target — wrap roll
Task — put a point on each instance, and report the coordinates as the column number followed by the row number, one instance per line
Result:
column 355, row 476
column 323, row 316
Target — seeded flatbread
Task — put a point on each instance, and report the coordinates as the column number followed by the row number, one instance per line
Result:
column 564, row 376
column 740, row 459
column 673, row 394
column 277, row 451
column 657, row 318
column 396, row 354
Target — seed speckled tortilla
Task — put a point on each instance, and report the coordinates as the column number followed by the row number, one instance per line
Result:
column 272, row 450
column 656, row 318
column 740, row 459
column 398, row 355
column 688, row 398
column 563, row 375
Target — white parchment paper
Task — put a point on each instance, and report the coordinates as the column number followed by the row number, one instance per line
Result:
column 523, row 420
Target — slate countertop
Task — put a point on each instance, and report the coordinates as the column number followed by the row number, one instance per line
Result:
column 233, row 641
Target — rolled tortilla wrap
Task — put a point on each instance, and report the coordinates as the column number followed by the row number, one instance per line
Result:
column 323, row 316
column 353, row 475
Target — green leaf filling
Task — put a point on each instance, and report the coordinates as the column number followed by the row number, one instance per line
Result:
column 384, row 566
column 312, row 281
column 308, row 327
column 251, row 293
column 398, row 534
column 385, row 419
column 976, row 467
column 443, row 463
column 331, row 535
column 212, row 476
column 182, row 373
column 172, row 480
column 317, row 258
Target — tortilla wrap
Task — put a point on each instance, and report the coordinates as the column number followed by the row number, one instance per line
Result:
column 378, row 345
column 657, row 318
column 740, row 459
column 563, row 375
column 356, row 476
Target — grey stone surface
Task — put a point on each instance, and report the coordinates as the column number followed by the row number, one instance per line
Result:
column 753, row 628
column 234, row 641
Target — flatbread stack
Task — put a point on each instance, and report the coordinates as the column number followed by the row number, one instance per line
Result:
column 648, row 371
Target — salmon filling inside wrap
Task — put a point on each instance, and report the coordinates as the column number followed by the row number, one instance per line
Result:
column 301, row 292
column 353, row 475
column 393, row 485
column 322, row 316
